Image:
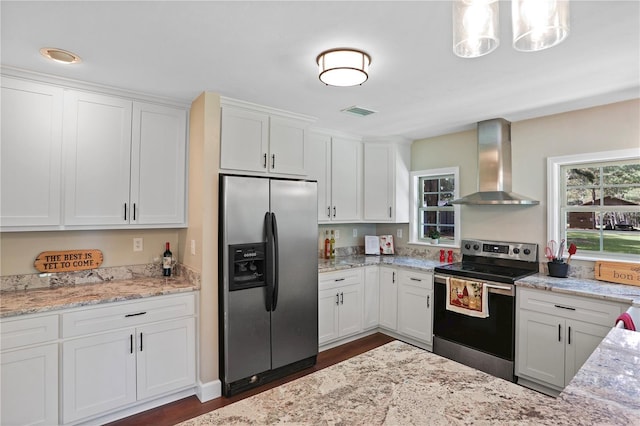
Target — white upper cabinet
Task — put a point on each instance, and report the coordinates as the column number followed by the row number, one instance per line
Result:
column 257, row 139
column 158, row 159
column 31, row 153
column 336, row 163
column 244, row 140
column 97, row 139
column 386, row 182
column 88, row 160
column 125, row 161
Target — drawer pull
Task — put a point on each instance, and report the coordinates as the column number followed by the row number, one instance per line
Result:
column 134, row 315
column 416, row 279
column 339, row 279
column 565, row 307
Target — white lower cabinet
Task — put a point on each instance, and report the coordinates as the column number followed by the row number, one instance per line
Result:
column 340, row 305
column 556, row 334
column 29, row 371
column 30, row 386
column 371, row 297
column 415, row 308
column 388, row 298
column 107, row 371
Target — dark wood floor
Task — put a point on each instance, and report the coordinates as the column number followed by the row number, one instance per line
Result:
column 190, row 407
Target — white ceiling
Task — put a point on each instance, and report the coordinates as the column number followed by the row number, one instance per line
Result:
column 264, row 52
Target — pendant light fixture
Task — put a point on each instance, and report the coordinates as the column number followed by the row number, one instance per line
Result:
column 343, row 67
column 537, row 25
column 475, row 27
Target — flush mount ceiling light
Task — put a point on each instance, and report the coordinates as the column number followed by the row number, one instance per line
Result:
column 59, row 55
column 537, row 25
column 343, row 67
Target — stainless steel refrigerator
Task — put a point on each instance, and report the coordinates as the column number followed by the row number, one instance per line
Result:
column 268, row 288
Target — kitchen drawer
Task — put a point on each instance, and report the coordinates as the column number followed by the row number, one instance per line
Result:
column 329, row 280
column 579, row 308
column 127, row 314
column 29, row 331
column 418, row 279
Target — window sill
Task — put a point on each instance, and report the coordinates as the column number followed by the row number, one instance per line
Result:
column 443, row 245
column 603, row 256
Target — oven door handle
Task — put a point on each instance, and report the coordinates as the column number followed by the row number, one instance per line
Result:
column 498, row 287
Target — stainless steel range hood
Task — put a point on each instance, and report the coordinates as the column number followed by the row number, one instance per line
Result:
column 494, row 167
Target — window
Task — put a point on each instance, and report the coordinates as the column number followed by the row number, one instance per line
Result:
column 594, row 203
column 432, row 192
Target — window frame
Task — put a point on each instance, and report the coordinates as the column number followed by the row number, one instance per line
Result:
column 414, row 219
column 556, row 190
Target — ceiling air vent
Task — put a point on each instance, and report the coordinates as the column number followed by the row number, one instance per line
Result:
column 356, row 110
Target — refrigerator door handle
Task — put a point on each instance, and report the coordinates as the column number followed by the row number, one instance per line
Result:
column 269, row 261
column 276, row 261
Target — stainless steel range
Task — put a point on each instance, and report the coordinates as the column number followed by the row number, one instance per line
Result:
column 487, row 344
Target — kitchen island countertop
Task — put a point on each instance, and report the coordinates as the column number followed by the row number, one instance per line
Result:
column 22, row 302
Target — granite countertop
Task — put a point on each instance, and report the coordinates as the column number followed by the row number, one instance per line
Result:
column 346, row 262
column 611, row 375
column 22, row 302
column 622, row 293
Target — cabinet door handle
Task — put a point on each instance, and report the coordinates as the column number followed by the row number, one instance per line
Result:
column 125, row 211
column 389, row 211
column 134, row 211
column 565, row 307
column 341, row 298
column 264, row 163
column 428, row 297
column 134, row 315
column 273, row 161
column 337, row 298
column 328, row 211
column 569, row 336
column 334, row 211
column 559, row 327
column 140, row 342
column 131, row 343
column 393, row 277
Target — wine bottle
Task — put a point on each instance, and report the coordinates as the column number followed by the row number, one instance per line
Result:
column 327, row 245
column 332, row 245
column 167, row 259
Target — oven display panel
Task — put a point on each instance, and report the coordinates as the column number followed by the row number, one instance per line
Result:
column 495, row 248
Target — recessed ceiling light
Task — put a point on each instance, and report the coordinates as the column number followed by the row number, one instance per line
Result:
column 59, row 55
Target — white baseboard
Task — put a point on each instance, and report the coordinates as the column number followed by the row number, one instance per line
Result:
column 208, row 391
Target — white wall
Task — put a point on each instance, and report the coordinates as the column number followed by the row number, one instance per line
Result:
column 610, row 127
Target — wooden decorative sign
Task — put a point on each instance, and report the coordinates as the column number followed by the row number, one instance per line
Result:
column 618, row 272
column 68, row 260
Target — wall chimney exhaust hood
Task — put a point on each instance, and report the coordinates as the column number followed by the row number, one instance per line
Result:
column 494, row 167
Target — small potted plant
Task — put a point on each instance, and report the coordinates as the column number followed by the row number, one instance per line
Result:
column 434, row 234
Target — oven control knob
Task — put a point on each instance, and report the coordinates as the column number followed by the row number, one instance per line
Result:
column 476, row 247
column 516, row 250
column 527, row 252
column 467, row 246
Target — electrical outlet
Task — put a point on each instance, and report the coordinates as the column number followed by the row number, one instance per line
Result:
column 337, row 234
column 399, row 233
column 137, row 244
column 355, row 232
column 193, row 247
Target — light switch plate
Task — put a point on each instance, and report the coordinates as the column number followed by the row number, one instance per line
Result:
column 193, row 247
column 355, row 232
column 399, row 233
column 138, row 244
column 337, row 234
